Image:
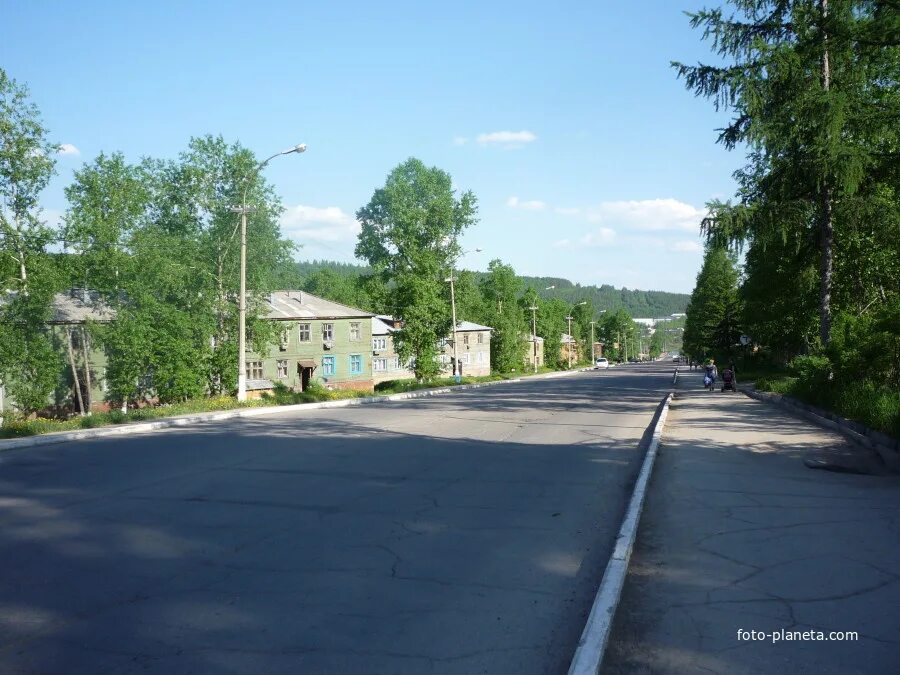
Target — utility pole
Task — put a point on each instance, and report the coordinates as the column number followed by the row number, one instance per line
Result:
column 533, row 309
column 243, row 209
column 452, row 279
column 593, row 352
column 569, row 341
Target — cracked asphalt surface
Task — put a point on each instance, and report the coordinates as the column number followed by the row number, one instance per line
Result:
column 463, row 533
column 737, row 533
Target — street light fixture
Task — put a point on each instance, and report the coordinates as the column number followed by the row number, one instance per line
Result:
column 572, row 339
column 457, row 375
column 244, row 209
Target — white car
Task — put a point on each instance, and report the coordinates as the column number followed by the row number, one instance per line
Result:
column 601, row 364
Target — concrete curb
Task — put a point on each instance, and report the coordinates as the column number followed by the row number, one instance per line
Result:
column 184, row 420
column 887, row 448
column 592, row 645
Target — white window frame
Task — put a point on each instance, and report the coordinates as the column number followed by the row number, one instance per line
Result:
column 328, row 332
column 379, row 365
column 304, row 332
column 253, row 368
column 281, row 368
column 355, row 331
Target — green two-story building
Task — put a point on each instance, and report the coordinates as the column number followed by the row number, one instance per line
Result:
column 321, row 341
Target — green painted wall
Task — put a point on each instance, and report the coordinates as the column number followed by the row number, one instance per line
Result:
column 314, row 349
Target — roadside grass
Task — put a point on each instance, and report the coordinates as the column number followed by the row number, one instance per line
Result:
column 14, row 427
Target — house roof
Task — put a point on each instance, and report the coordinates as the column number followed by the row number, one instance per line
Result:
column 565, row 338
column 286, row 305
column 75, row 306
column 468, row 325
column 379, row 327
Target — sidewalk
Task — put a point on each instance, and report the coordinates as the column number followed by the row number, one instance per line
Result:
column 738, row 534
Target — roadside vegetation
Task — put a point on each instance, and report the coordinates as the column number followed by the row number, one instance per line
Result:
column 812, row 93
column 155, row 240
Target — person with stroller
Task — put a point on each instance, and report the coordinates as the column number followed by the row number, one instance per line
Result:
column 728, row 379
column 709, row 379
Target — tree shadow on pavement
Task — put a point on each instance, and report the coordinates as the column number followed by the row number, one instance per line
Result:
column 319, row 542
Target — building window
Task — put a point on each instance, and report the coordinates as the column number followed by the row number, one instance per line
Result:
column 281, row 366
column 465, row 338
column 328, row 332
column 379, row 365
column 395, row 363
column 443, row 342
column 254, row 370
column 304, row 332
column 465, row 358
column 284, row 340
column 379, row 344
column 327, row 366
column 481, row 338
column 354, row 331
column 444, row 359
column 355, row 364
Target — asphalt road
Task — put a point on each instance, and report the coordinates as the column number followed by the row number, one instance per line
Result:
column 463, row 533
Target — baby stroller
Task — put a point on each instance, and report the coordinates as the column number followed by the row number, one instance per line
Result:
column 728, row 383
column 709, row 382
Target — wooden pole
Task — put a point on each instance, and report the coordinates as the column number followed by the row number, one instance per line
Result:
column 74, row 370
column 87, row 369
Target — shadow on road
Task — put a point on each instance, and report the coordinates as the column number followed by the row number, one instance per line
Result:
column 457, row 533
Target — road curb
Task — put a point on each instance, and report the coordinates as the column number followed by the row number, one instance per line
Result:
column 592, row 645
column 183, row 420
column 870, row 439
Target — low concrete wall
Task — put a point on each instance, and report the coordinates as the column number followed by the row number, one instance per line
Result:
column 887, row 448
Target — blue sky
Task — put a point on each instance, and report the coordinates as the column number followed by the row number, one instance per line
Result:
column 589, row 159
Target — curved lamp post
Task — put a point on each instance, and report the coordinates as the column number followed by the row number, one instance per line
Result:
column 243, row 209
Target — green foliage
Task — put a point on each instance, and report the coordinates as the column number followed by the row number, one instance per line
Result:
column 637, row 303
column 26, row 165
column 500, row 290
column 815, row 100
column 712, row 326
column 409, row 236
column 617, row 328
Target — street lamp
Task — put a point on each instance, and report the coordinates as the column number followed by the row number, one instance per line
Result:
column 534, row 336
column 571, row 339
column 244, row 209
column 451, row 280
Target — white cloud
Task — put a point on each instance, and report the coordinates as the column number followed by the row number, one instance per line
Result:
column 531, row 205
column 507, row 139
column 648, row 214
column 602, row 237
column 566, row 211
column 311, row 223
column 460, row 140
column 68, row 149
column 687, row 246
column 605, row 236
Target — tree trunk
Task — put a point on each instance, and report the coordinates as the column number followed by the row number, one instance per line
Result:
column 826, row 196
column 74, row 370
column 87, row 369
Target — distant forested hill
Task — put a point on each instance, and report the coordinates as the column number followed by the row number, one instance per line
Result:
column 648, row 304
